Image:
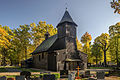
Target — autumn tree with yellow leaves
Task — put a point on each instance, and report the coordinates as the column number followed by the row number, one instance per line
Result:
column 38, row 32
column 17, row 44
column 85, row 39
column 5, row 42
column 79, row 45
column 114, row 32
column 103, row 42
column 115, row 4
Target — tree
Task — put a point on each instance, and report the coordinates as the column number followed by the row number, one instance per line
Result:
column 24, row 37
column 85, row 39
column 79, row 45
column 114, row 32
column 115, row 4
column 103, row 42
column 96, row 53
column 38, row 32
column 17, row 44
column 5, row 40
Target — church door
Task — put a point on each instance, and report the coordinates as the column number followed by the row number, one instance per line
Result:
column 52, row 63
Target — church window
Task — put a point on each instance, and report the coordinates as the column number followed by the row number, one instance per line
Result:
column 39, row 57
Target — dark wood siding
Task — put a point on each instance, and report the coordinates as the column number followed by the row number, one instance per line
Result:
column 52, row 63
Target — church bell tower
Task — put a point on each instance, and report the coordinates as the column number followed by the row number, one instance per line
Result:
column 67, row 32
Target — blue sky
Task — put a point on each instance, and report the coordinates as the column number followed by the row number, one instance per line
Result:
column 92, row 16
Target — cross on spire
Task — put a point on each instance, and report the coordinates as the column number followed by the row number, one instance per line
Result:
column 66, row 6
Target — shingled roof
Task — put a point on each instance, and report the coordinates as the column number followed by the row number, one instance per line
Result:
column 67, row 18
column 54, row 43
column 46, row 44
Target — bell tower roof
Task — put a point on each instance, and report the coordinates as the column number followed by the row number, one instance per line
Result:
column 67, row 18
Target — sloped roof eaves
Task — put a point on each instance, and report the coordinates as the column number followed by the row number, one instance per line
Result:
column 46, row 44
column 67, row 22
column 82, row 52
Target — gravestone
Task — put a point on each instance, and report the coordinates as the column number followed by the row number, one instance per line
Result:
column 100, row 75
column 92, row 77
column 71, row 76
column 63, row 73
column 20, row 78
column 27, row 74
column 87, row 74
column 3, row 78
column 49, row 77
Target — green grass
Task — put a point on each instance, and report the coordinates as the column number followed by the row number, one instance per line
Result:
column 3, row 69
column 100, row 67
column 57, row 75
column 27, row 69
column 10, row 76
column 9, row 67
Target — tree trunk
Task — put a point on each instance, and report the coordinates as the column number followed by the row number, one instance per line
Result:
column 11, row 63
column 25, row 52
column 4, row 60
column 117, row 53
column 105, row 64
column 96, row 60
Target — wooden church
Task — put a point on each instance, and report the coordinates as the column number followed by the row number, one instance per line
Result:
column 59, row 52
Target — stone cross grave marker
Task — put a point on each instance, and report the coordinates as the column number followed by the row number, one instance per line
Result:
column 3, row 78
column 20, row 78
column 49, row 77
column 100, row 75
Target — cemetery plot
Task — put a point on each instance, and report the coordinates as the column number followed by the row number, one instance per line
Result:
column 49, row 77
column 20, row 77
column 87, row 74
column 3, row 78
column 101, row 75
column 64, row 73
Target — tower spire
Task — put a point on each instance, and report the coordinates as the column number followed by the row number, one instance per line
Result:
column 66, row 18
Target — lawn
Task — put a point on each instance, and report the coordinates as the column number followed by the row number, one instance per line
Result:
column 16, row 69
column 101, row 68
